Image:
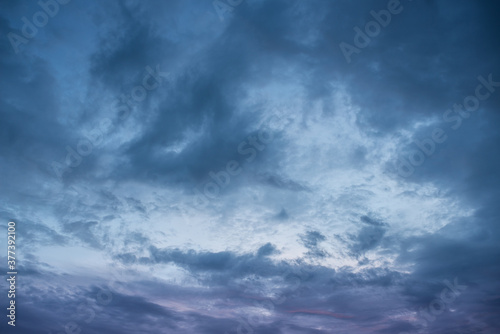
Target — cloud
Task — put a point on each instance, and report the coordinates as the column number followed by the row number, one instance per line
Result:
column 368, row 237
column 260, row 255
column 83, row 231
column 266, row 250
column 311, row 241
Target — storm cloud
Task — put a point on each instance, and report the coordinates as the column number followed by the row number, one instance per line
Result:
column 228, row 167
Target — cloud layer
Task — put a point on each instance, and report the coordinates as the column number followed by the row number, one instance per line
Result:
column 189, row 167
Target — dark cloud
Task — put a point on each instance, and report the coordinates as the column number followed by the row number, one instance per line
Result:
column 311, row 241
column 266, row 250
column 130, row 198
column 368, row 237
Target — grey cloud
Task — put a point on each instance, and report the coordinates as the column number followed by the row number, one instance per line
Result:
column 83, row 231
column 368, row 237
column 266, row 250
column 282, row 215
column 225, row 78
column 311, row 241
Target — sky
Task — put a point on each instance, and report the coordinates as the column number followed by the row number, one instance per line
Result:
column 251, row 166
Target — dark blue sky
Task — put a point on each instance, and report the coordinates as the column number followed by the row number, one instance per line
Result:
column 251, row 166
